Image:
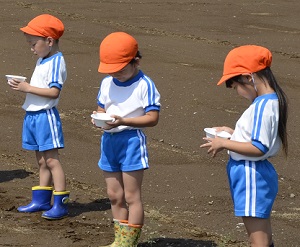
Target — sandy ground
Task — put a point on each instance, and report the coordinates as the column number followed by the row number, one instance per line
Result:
column 185, row 192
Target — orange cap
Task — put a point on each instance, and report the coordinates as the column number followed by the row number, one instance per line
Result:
column 245, row 59
column 116, row 51
column 45, row 26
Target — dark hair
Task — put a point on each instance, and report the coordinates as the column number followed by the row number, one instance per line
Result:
column 230, row 81
column 267, row 75
column 138, row 54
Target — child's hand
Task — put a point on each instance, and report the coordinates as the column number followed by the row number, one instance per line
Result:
column 92, row 120
column 18, row 85
column 214, row 145
column 118, row 121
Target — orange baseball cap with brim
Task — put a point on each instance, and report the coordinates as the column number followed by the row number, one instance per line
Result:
column 245, row 59
column 116, row 51
column 45, row 25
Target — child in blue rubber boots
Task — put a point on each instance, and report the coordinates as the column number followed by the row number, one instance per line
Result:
column 131, row 98
column 42, row 128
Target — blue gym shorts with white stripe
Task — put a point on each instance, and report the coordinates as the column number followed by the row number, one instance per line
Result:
column 253, row 186
column 123, row 151
column 42, row 130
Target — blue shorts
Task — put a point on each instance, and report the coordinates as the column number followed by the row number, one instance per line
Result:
column 253, row 186
column 42, row 130
column 123, row 151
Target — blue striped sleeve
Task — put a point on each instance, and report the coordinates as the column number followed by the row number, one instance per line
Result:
column 56, row 68
column 152, row 95
column 257, row 125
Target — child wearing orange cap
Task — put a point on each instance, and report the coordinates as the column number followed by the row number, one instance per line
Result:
column 42, row 128
column 257, row 136
column 131, row 98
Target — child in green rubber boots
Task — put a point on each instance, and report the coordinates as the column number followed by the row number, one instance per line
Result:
column 42, row 128
column 131, row 98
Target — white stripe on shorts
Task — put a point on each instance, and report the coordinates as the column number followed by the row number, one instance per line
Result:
column 250, row 169
column 144, row 158
column 247, row 177
column 53, row 128
column 253, row 169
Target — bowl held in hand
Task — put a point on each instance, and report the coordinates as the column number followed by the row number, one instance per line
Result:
column 211, row 133
column 101, row 118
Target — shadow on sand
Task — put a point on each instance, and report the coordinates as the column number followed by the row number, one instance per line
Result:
column 176, row 242
column 76, row 208
column 9, row 175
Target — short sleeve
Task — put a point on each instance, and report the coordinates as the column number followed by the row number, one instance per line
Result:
column 150, row 96
column 265, row 124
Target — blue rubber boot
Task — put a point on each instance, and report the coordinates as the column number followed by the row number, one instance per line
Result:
column 59, row 209
column 41, row 200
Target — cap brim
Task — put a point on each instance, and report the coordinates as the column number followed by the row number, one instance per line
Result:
column 31, row 31
column 224, row 78
column 111, row 68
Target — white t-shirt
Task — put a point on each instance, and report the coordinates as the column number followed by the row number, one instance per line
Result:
column 49, row 72
column 132, row 98
column 259, row 125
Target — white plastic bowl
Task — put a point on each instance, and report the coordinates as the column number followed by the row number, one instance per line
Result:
column 18, row 77
column 11, row 77
column 100, row 119
column 211, row 133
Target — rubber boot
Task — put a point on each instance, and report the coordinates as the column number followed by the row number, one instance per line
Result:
column 41, row 200
column 130, row 234
column 59, row 209
column 118, row 236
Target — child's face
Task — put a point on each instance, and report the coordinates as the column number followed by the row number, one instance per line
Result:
column 245, row 90
column 125, row 74
column 39, row 45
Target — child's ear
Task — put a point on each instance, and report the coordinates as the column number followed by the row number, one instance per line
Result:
column 137, row 60
column 248, row 76
column 50, row 40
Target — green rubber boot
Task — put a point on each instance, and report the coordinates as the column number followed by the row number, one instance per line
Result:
column 118, row 236
column 130, row 234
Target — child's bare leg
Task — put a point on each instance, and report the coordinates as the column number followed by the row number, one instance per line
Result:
column 44, row 172
column 54, row 165
column 133, row 184
column 115, row 191
column 259, row 231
